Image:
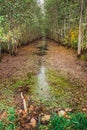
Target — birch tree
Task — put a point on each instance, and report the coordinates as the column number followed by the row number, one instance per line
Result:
column 80, row 29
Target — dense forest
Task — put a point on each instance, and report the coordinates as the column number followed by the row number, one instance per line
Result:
column 66, row 22
column 43, row 64
column 24, row 21
column 19, row 23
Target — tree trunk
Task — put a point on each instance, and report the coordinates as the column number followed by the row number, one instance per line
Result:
column 0, row 51
column 64, row 28
column 80, row 30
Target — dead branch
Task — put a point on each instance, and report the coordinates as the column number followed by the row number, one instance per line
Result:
column 24, row 102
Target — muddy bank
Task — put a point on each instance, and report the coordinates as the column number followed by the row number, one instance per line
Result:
column 47, row 74
column 66, row 61
column 57, row 57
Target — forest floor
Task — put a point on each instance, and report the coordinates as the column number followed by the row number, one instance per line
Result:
column 58, row 57
column 53, row 79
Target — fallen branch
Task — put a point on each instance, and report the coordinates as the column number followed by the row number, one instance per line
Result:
column 24, row 102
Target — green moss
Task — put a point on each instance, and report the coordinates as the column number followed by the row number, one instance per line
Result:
column 10, row 88
column 28, row 81
column 61, row 89
column 84, row 57
column 58, row 80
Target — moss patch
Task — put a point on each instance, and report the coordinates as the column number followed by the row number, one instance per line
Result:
column 11, row 90
column 84, row 57
column 65, row 93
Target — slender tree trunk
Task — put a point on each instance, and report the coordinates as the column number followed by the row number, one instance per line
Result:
column 64, row 27
column 80, row 30
column 0, row 51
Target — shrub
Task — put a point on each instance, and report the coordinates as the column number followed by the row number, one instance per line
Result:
column 71, row 39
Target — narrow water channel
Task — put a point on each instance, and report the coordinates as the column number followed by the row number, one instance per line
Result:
column 43, row 89
column 44, row 83
column 52, row 88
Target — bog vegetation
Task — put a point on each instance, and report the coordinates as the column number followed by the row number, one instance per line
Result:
column 24, row 21
column 71, row 122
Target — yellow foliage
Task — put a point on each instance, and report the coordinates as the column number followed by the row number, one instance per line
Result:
column 73, row 34
column 72, row 37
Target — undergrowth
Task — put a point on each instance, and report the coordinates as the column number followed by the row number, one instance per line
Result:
column 77, row 121
column 10, row 122
column 84, row 57
column 30, row 80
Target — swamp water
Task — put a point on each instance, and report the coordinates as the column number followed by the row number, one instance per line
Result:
column 43, row 89
column 53, row 89
column 48, row 87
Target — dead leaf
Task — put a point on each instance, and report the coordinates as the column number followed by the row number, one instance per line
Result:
column 28, row 126
column 84, row 109
column 20, row 111
column 31, row 108
column 68, row 110
column 4, row 114
column 41, row 114
column 33, row 122
column 45, row 118
column 61, row 113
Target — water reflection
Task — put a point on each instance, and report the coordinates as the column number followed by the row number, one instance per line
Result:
column 43, row 89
